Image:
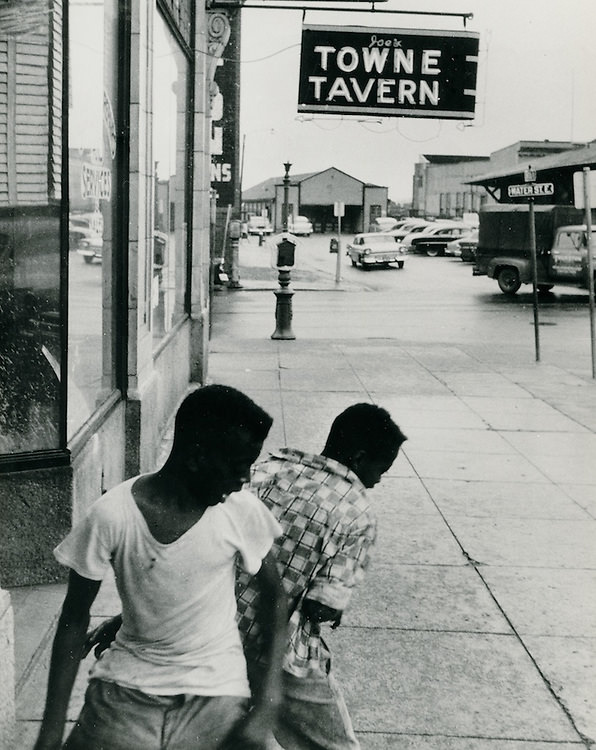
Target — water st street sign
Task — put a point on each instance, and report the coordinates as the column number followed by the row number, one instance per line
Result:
column 531, row 190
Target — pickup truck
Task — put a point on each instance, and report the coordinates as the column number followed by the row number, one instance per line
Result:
column 504, row 254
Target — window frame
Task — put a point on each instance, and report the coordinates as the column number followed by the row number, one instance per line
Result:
column 61, row 456
column 165, row 9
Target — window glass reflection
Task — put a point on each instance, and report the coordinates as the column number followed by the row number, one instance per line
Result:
column 30, row 162
column 92, row 153
column 168, row 265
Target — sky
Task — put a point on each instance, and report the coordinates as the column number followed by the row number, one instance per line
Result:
column 536, row 73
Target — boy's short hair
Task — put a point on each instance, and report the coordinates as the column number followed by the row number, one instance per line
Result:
column 214, row 414
column 365, row 427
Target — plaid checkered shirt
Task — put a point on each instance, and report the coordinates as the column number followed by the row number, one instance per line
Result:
column 328, row 532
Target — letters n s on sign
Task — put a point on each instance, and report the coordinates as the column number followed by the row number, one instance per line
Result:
column 389, row 72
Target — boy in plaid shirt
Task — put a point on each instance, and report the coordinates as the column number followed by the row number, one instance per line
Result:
column 328, row 530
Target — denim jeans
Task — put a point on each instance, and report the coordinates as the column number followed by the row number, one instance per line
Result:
column 118, row 718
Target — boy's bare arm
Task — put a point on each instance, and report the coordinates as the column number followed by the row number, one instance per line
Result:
column 272, row 616
column 66, row 657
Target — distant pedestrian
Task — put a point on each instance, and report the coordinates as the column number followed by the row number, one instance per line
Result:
column 175, row 676
column 328, row 530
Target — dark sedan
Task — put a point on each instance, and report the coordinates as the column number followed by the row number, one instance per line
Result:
column 434, row 239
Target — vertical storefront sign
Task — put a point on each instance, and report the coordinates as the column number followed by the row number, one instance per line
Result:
column 224, row 125
column 389, row 72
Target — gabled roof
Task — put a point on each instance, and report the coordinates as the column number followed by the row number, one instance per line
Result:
column 578, row 157
column 266, row 190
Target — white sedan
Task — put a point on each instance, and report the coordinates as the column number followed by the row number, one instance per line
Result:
column 376, row 249
column 300, row 226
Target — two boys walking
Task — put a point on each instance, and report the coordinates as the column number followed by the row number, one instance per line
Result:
column 176, row 676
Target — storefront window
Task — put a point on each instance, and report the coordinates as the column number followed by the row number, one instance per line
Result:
column 92, row 227
column 168, row 264
column 30, row 206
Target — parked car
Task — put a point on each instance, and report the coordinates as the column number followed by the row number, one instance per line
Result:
column 82, row 226
column 91, row 248
column 375, row 249
column 405, row 227
column 433, row 240
column 468, row 246
column 382, row 224
column 259, row 225
column 300, row 226
column 463, row 247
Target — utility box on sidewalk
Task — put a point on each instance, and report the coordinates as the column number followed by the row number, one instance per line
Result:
column 7, row 684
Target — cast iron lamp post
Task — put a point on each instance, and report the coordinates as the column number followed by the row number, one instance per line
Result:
column 284, row 261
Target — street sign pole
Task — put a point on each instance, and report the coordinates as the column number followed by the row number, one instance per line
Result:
column 534, row 279
column 590, row 260
column 338, row 259
column 338, row 211
column 530, row 189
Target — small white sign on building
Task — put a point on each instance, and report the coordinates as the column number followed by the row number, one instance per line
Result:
column 578, row 188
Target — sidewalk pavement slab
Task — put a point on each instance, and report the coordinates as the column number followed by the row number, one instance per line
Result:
column 511, row 499
column 474, row 627
column 449, row 683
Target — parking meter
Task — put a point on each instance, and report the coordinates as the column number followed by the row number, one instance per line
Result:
column 285, row 258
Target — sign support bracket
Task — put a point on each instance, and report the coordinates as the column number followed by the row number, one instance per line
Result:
column 219, row 4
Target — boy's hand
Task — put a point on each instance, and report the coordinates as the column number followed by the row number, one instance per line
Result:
column 253, row 733
column 317, row 612
column 102, row 636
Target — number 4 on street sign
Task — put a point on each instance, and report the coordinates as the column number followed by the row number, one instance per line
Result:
column 339, row 208
column 531, row 190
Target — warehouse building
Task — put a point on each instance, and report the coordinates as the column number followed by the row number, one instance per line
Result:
column 314, row 195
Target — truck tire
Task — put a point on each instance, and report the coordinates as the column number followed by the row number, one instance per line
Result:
column 432, row 252
column 508, row 280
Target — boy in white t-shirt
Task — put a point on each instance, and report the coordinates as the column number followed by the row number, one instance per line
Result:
column 175, row 676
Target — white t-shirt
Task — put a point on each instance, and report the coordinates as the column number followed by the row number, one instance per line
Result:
column 179, row 633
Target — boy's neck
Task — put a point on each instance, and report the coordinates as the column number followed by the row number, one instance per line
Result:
column 172, row 488
column 168, row 507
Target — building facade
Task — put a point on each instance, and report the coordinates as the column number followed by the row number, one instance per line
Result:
column 105, row 220
column 439, row 189
column 314, row 195
column 443, row 185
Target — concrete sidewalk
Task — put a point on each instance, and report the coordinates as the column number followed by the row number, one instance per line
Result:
column 476, row 626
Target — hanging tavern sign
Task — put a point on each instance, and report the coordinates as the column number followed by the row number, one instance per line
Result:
column 390, row 72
